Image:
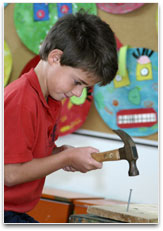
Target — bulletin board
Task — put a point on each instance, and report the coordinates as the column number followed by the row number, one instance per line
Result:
column 136, row 28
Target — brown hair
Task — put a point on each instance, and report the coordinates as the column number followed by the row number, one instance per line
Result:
column 87, row 43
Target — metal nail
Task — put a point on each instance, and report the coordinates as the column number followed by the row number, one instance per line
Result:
column 129, row 199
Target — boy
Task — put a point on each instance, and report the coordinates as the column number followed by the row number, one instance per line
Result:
column 79, row 51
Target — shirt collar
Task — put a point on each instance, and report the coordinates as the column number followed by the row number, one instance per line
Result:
column 33, row 79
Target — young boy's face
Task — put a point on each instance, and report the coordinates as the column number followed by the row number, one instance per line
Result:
column 65, row 81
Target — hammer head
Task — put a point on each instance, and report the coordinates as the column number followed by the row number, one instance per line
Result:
column 128, row 152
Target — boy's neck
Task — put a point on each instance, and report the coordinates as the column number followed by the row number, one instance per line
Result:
column 39, row 70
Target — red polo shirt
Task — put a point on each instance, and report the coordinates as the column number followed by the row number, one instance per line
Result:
column 29, row 132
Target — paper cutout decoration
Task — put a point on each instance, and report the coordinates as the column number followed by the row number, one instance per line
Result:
column 40, row 12
column 7, row 63
column 119, row 8
column 29, row 31
column 144, row 66
column 33, row 21
column 130, row 101
column 122, row 78
column 118, row 43
column 64, row 8
column 74, row 110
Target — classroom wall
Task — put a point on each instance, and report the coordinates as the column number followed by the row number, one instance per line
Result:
column 137, row 29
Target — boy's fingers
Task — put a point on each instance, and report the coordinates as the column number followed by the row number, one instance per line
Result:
column 69, row 169
column 98, row 164
column 94, row 149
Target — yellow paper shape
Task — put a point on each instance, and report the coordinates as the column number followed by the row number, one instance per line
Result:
column 122, row 78
column 144, row 72
column 7, row 63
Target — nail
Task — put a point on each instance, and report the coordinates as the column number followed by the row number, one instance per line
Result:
column 129, row 199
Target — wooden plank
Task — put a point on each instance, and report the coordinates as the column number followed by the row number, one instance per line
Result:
column 63, row 195
column 80, row 206
column 138, row 213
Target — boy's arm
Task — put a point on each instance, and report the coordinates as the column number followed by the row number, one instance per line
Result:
column 78, row 158
column 32, row 170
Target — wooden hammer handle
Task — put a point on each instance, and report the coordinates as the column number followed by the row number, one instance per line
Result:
column 106, row 156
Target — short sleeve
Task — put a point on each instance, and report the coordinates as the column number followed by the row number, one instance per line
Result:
column 19, row 130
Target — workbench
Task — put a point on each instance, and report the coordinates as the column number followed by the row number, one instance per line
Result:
column 55, row 206
column 61, row 206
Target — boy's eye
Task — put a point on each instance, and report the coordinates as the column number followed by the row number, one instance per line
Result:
column 77, row 82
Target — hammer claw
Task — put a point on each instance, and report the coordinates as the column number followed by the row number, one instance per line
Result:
column 123, row 135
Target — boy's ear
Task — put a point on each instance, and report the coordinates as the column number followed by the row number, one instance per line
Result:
column 55, row 56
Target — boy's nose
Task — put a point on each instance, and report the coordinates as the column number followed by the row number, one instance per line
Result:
column 77, row 91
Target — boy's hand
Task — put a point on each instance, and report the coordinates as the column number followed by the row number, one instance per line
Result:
column 60, row 149
column 80, row 159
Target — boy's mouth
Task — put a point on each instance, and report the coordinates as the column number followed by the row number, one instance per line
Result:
column 66, row 96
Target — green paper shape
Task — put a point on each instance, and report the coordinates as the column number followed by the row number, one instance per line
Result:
column 134, row 96
column 79, row 100
column 122, row 61
column 32, row 33
column 87, row 7
column 100, row 100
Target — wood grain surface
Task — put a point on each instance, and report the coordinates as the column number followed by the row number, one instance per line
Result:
column 137, row 213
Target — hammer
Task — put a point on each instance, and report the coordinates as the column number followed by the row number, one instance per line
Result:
column 128, row 152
